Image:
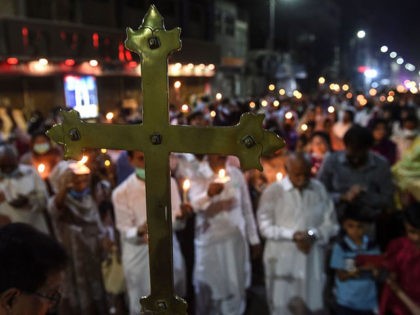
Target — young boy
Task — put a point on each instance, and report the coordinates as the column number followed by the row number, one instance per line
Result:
column 355, row 292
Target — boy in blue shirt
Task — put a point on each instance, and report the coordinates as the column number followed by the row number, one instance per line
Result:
column 355, row 289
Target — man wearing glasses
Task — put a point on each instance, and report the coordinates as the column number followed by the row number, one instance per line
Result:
column 31, row 268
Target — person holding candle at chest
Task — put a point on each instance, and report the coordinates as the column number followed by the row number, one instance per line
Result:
column 224, row 226
column 129, row 200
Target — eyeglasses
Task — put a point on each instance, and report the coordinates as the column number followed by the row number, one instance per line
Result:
column 54, row 298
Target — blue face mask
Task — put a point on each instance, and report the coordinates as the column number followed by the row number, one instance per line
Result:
column 79, row 195
column 141, row 173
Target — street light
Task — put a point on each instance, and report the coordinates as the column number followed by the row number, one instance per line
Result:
column 400, row 61
column 361, row 34
column 393, row 54
column 384, row 49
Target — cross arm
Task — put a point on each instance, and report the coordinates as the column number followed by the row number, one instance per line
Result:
column 247, row 140
column 76, row 135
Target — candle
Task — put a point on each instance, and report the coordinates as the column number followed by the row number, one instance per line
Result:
column 221, row 177
column 185, row 187
column 42, row 170
column 279, row 176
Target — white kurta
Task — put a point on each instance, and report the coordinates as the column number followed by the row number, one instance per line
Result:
column 28, row 183
column 221, row 258
column 129, row 200
column 290, row 274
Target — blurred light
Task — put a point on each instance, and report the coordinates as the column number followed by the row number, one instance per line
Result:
column 276, row 103
column 103, row 151
column 41, row 168
column 349, row 95
column 321, row 80
column 414, row 90
column 177, row 84
column 252, row 105
column 363, row 102
column 213, row 114
column 219, row 96
column 304, row 127
column 43, row 61
column 374, row 85
column 382, row 98
column 331, row 109
column 211, row 66
column 264, row 103
column 390, row 99
column 69, row 62
column 93, row 63
column 83, row 160
column 12, row 61
column 392, row 93
column 132, row 64
column 400, row 61
column 371, row 73
column 361, row 34
column 345, row 87
column 109, row 115
column 393, row 54
column 279, row 176
column 297, row 94
column 282, row 91
column 178, row 65
column 360, row 97
column 372, row 92
column 384, row 49
column 288, row 115
column 410, row 67
column 271, row 87
column 185, row 108
column 107, row 163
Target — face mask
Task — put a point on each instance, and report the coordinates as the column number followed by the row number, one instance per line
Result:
column 141, row 173
column 41, row 148
column 79, row 195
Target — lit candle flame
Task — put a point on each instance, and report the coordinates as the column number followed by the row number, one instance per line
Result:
column 186, row 185
column 41, row 168
column 83, row 160
column 222, row 173
column 279, row 176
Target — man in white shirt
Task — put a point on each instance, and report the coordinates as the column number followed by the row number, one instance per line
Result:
column 23, row 194
column 297, row 218
column 129, row 200
column 224, row 226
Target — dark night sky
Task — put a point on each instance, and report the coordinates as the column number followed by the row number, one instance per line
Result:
column 392, row 23
column 388, row 22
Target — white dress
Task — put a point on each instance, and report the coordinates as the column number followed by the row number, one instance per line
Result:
column 222, row 268
column 294, row 279
column 28, row 183
column 129, row 200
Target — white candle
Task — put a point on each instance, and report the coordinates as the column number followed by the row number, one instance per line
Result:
column 221, row 177
column 185, row 187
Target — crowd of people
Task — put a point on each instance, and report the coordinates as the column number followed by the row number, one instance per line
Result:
column 330, row 226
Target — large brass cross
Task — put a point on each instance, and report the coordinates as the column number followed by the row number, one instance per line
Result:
column 157, row 138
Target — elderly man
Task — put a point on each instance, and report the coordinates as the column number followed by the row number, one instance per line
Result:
column 297, row 218
column 23, row 194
